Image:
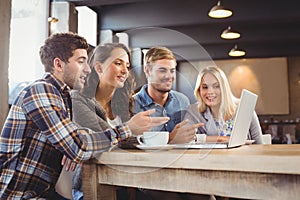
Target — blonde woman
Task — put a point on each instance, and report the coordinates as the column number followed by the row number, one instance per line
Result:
column 215, row 107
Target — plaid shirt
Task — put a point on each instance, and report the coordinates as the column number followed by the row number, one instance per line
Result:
column 38, row 131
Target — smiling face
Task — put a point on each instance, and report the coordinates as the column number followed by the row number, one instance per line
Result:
column 210, row 90
column 161, row 75
column 76, row 69
column 114, row 71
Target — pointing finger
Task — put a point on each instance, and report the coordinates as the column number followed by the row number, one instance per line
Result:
column 184, row 122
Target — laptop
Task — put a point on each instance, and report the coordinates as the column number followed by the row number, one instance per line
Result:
column 241, row 125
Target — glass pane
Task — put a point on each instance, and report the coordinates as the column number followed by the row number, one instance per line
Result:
column 29, row 29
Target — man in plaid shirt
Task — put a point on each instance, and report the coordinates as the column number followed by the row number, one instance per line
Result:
column 38, row 130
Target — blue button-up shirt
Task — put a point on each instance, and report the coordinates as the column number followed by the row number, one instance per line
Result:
column 175, row 107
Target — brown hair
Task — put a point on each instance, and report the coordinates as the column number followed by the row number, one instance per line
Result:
column 158, row 53
column 62, row 46
column 101, row 53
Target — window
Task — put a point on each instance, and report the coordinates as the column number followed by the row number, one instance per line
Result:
column 29, row 29
column 87, row 24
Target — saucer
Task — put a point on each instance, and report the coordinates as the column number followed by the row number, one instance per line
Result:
column 156, row 147
column 249, row 141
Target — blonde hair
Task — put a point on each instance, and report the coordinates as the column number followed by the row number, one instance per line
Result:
column 158, row 53
column 228, row 100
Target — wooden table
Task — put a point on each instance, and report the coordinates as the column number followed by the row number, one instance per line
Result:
column 250, row 171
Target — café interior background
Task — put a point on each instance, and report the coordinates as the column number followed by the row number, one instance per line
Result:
column 271, row 32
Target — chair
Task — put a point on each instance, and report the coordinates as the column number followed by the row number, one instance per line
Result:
column 289, row 134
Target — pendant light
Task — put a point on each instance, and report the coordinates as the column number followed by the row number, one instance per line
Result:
column 229, row 34
column 219, row 11
column 236, row 52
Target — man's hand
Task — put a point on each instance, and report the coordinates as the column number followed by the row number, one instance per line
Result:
column 68, row 163
column 143, row 121
column 183, row 133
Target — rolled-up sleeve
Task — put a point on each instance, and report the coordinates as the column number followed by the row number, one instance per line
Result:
column 43, row 103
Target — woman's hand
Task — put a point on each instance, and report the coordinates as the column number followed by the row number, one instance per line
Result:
column 183, row 133
column 143, row 121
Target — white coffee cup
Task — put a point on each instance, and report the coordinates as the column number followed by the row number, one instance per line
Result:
column 153, row 138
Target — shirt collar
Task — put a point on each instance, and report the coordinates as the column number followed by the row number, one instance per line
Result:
column 147, row 100
column 61, row 86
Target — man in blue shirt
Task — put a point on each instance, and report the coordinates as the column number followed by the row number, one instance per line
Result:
column 160, row 71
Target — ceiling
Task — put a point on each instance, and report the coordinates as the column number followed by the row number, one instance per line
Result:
column 269, row 28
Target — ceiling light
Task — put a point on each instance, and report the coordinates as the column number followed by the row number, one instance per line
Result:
column 52, row 19
column 236, row 52
column 230, row 34
column 219, row 11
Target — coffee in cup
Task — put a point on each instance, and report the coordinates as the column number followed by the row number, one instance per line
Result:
column 153, row 138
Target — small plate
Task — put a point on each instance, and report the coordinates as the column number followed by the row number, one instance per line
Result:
column 156, row 147
column 249, row 141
